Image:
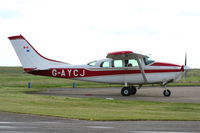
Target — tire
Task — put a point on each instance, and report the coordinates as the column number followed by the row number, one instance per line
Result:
column 133, row 90
column 125, row 91
column 167, row 93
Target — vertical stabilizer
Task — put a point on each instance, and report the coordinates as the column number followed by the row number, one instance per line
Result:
column 29, row 57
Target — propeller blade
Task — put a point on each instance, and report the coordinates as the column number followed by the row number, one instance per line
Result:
column 186, row 58
column 186, row 68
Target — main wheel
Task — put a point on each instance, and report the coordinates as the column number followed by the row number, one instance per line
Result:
column 125, row 91
column 133, row 90
column 167, row 93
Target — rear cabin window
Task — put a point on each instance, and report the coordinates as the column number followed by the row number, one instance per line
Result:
column 105, row 64
column 92, row 63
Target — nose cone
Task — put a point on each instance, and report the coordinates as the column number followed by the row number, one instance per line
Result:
column 187, row 68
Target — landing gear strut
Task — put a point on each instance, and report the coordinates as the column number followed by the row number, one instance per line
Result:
column 127, row 91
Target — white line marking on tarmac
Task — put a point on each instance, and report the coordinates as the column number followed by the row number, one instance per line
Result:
column 2, row 122
column 17, row 132
column 99, row 127
column 158, row 132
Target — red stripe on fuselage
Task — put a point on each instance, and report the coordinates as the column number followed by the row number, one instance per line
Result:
column 164, row 64
column 28, row 69
column 80, row 72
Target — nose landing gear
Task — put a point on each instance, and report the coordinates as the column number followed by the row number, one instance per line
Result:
column 166, row 92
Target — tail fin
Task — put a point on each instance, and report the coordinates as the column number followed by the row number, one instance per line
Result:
column 29, row 57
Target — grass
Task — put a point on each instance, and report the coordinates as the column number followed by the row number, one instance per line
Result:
column 13, row 84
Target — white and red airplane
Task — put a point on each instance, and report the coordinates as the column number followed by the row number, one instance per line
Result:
column 122, row 67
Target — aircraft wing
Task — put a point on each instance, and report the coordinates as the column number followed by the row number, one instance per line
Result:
column 124, row 55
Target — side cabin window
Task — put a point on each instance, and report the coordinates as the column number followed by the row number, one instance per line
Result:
column 131, row 63
column 105, row 64
column 92, row 63
column 125, row 63
column 118, row 63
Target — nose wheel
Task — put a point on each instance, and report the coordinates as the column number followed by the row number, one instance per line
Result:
column 127, row 91
column 166, row 92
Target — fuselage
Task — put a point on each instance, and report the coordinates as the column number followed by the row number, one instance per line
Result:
column 121, row 67
column 116, row 71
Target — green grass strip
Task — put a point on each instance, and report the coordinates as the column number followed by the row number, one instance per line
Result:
column 14, row 100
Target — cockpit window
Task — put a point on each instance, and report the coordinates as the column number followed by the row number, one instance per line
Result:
column 125, row 63
column 148, row 60
column 118, row 63
column 92, row 63
column 131, row 63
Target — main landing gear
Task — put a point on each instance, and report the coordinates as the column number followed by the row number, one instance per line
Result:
column 129, row 90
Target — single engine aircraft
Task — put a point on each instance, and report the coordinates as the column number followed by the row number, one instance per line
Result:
column 122, row 67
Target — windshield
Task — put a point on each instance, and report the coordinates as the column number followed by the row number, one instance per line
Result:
column 148, row 60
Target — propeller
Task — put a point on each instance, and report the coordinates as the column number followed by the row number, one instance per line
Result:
column 185, row 65
column 186, row 58
column 186, row 68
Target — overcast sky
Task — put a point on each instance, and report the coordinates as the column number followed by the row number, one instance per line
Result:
column 80, row 31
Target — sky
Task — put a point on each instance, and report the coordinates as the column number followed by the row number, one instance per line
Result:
column 80, row 31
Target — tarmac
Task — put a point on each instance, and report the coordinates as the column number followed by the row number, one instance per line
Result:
column 24, row 123
column 179, row 94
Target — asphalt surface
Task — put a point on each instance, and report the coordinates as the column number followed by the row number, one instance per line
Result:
column 179, row 94
column 23, row 123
